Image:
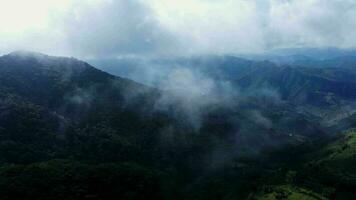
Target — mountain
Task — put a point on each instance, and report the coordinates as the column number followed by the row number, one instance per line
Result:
column 48, row 80
column 73, row 93
column 70, row 126
column 337, row 76
column 288, row 55
column 322, row 88
column 71, row 131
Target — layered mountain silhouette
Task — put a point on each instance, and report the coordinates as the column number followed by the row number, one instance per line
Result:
column 71, row 131
column 323, row 88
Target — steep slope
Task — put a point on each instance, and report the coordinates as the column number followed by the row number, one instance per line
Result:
column 305, row 84
column 73, row 97
column 62, row 117
column 299, row 86
column 324, row 89
column 48, row 80
column 50, row 96
column 330, row 169
column 62, row 122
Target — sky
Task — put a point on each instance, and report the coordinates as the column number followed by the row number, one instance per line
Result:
column 111, row 28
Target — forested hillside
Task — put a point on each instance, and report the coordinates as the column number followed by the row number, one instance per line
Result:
column 71, row 131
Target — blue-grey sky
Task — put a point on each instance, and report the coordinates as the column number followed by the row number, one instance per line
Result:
column 96, row 28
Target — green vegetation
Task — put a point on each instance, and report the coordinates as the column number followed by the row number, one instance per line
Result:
column 61, row 179
column 286, row 192
column 70, row 131
column 333, row 167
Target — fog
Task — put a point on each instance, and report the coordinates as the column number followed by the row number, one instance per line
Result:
column 142, row 30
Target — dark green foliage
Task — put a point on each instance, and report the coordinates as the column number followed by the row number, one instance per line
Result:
column 70, row 131
column 60, row 179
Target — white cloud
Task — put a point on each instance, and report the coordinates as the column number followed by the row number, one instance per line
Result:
column 218, row 26
column 108, row 27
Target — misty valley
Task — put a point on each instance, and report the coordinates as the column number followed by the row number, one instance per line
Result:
column 271, row 126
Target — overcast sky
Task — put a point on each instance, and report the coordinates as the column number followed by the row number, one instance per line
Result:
column 97, row 28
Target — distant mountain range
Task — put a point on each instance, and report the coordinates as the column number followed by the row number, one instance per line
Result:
column 206, row 127
column 321, row 87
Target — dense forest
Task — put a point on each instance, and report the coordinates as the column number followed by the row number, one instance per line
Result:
column 71, row 131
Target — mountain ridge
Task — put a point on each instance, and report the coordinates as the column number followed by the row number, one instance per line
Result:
column 64, row 121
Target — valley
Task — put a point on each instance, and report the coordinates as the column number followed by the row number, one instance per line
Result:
column 236, row 129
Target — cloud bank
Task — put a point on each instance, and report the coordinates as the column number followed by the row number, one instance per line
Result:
column 97, row 28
